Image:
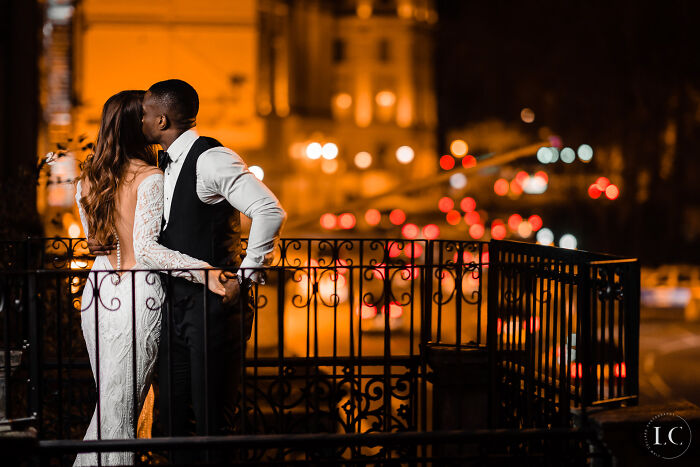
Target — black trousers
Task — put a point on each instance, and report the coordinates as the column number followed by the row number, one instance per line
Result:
column 199, row 375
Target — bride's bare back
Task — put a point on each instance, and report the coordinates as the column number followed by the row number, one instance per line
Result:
column 125, row 204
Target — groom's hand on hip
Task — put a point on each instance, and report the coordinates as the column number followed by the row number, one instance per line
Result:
column 98, row 249
column 233, row 288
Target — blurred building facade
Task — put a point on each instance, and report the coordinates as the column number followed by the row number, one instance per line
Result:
column 274, row 77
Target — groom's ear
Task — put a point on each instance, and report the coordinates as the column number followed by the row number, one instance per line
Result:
column 163, row 122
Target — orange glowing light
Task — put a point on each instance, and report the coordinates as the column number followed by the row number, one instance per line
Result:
column 498, row 231
column 514, row 221
column 515, row 187
column 373, row 216
column 535, row 222
column 501, row 187
column 447, row 162
column 395, row 310
column 328, row 221
column 378, row 271
column 472, row 218
column 368, row 311
column 521, row 177
column 459, row 147
column 431, row 231
column 620, row 370
column 524, row 229
column 385, row 98
column 453, row 217
column 543, row 175
column 410, row 231
column 476, row 231
column 446, row 204
column 343, row 100
column 602, row 183
column 414, row 250
column 397, row 217
column 467, row 204
column 499, row 325
column 485, row 258
column 612, row 192
column 468, row 161
column 594, row 192
column 346, row 221
column 576, row 370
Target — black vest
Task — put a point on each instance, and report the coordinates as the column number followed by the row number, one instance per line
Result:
column 209, row 232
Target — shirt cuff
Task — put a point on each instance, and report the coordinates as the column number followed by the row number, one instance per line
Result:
column 247, row 271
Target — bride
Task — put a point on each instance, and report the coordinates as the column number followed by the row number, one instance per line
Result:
column 120, row 200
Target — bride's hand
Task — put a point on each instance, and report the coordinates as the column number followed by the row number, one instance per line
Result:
column 214, row 283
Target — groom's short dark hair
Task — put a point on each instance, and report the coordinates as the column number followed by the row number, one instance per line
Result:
column 179, row 99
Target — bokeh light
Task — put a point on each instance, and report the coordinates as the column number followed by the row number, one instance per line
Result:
column 459, row 148
column 447, row 162
column 555, row 154
column 328, row 221
column 397, row 217
column 373, row 216
column 568, row 155
column 612, row 192
column 458, row 181
column 501, row 187
column 467, row 204
column 515, row 187
column 468, row 161
column 514, row 221
column 431, row 231
column 521, row 176
column 544, row 155
column 498, row 231
column 405, row 154
column 257, row 171
column 568, row 241
column 74, row 230
column 535, row 222
column 410, row 231
column 527, row 115
column 476, row 231
column 363, row 159
column 472, row 218
column 602, row 183
column 594, row 192
column 385, row 98
column 329, row 151
column 543, row 175
column 545, row 236
column 446, row 204
column 329, row 166
column 314, row 151
column 453, row 217
column 343, row 101
column 585, row 153
column 346, row 221
column 524, row 229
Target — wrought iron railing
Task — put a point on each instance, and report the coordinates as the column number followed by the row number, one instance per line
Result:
column 338, row 344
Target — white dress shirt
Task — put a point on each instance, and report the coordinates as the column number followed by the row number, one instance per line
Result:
column 222, row 175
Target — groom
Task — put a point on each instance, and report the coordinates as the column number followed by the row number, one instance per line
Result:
column 206, row 187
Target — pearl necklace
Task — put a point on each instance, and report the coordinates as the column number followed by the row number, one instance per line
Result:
column 119, row 251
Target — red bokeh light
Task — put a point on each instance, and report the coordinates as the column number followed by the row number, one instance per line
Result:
column 395, row 310
column 594, row 192
column 453, row 217
column 612, row 192
column 467, row 204
column 476, row 231
column 602, row 183
column 516, row 187
column 543, row 175
column 410, row 231
column 446, row 204
column 394, row 250
column 501, row 187
column 368, row 311
column 514, row 221
column 378, row 271
column 535, row 222
column 373, row 216
column 414, row 250
column 472, row 218
column 485, row 258
column 447, row 162
column 346, row 221
column 328, row 221
column 468, row 161
column 431, row 231
column 521, row 177
column 498, row 231
column 397, row 217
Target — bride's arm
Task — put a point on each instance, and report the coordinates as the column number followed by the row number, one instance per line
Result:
column 147, row 219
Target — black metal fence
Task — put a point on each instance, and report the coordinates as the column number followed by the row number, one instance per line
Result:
column 563, row 332
column 338, row 345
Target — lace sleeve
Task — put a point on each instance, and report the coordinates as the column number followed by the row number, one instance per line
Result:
column 147, row 219
column 81, row 211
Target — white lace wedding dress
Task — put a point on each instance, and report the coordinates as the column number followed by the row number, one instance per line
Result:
column 109, row 304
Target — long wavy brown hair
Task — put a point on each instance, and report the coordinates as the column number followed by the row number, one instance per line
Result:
column 119, row 140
